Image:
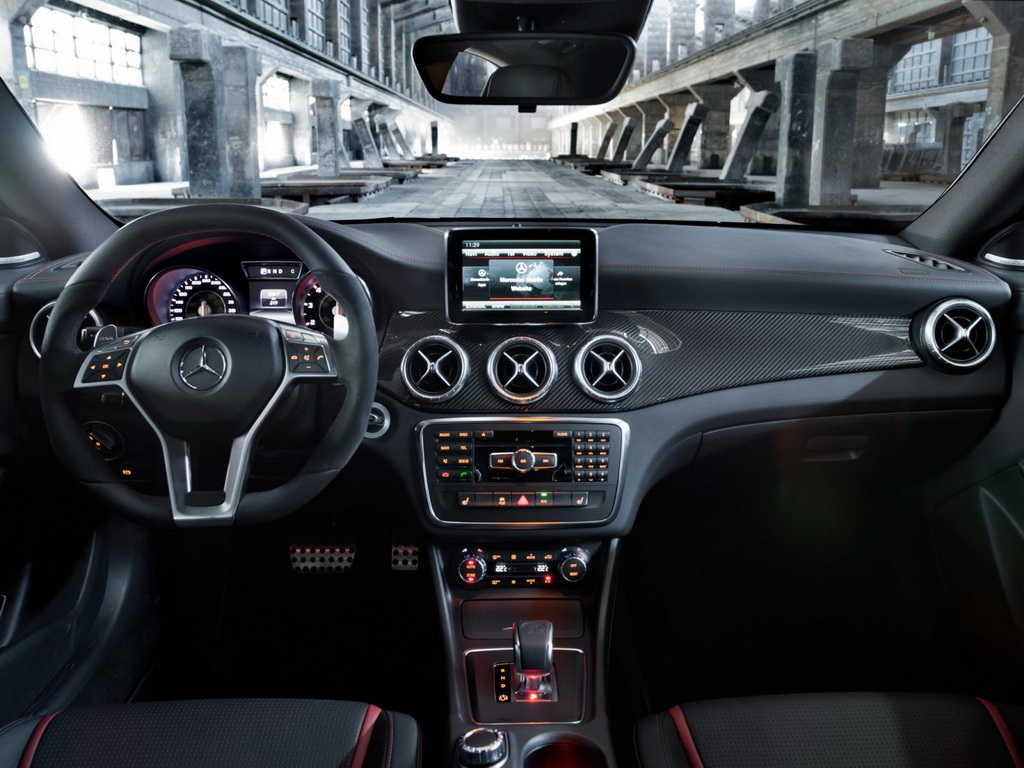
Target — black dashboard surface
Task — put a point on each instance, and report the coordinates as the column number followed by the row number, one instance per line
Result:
column 733, row 326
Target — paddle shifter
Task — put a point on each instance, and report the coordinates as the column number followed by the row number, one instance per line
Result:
column 533, row 646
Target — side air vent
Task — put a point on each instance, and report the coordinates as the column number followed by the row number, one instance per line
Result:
column 957, row 335
column 434, row 369
column 927, row 261
column 607, row 368
column 522, row 370
column 37, row 328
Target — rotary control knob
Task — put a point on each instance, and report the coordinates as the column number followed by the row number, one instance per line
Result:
column 573, row 566
column 524, row 460
column 483, row 746
column 472, row 567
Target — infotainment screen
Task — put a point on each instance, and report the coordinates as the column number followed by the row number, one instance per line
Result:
column 512, row 276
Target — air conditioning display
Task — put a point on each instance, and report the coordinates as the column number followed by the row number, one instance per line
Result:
column 522, row 276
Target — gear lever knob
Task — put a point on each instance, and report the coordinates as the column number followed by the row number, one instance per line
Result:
column 533, row 644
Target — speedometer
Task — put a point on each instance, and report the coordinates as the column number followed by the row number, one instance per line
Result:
column 200, row 294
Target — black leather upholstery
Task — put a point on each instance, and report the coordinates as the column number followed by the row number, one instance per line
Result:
column 255, row 733
column 833, row 730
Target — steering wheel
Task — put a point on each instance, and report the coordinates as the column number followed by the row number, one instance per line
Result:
column 208, row 381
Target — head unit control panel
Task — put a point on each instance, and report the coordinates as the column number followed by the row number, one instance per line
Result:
column 519, row 471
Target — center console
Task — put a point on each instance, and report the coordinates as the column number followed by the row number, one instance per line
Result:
column 517, row 504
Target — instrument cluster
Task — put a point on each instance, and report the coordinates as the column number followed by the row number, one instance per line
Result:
column 282, row 290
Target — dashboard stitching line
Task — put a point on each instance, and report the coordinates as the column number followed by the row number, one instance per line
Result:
column 986, row 278
column 53, row 265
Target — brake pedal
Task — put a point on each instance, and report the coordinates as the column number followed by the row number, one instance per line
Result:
column 405, row 557
column 322, row 559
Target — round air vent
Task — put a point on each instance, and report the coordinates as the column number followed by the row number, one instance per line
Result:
column 434, row 368
column 37, row 329
column 957, row 335
column 522, row 370
column 607, row 368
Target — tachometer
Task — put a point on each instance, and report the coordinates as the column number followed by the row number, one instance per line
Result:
column 200, row 294
column 316, row 309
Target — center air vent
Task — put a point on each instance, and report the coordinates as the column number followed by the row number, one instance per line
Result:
column 607, row 368
column 522, row 370
column 434, row 368
column 957, row 335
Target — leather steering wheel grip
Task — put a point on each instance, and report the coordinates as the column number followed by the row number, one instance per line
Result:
column 124, row 253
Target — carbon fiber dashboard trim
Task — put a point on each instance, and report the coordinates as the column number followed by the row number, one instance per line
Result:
column 683, row 353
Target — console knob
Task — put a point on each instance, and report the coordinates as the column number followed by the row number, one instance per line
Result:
column 483, row 746
column 524, row 460
column 472, row 567
column 573, row 566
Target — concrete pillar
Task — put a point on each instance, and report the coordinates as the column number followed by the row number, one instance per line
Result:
column 715, row 135
column 795, row 74
column 433, row 137
column 719, row 20
column 869, row 130
column 574, row 136
column 675, row 110
column 404, row 150
column 387, row 141
column 764, row 161
column 330, row 140
column 654, row 112
column 681, row 30
column 201, row 62
column 653, row 144
column 361, row 126
column 762, row 106
column 762, row 10
column 625, row 140
column 949, row 131
column 694, row 116
column 606, row 141
column 1004, row 19
column 165, row 118
column 840, row 62
column 241, row 71
column 634, row 138
column 655, row 35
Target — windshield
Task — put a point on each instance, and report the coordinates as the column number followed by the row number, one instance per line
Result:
column 810, row 112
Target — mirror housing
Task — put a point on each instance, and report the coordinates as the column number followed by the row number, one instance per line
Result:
column 524, row 68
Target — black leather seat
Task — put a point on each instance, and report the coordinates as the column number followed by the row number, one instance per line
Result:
column 833, row 730
column 254, row 733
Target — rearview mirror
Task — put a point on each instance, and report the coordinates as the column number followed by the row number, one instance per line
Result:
column 524, row 68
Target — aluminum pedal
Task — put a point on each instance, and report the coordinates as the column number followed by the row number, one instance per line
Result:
column 334, row 559
column 405, row 557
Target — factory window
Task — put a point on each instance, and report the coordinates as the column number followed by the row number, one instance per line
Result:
column 971, row 57
column 276, row 13
column 344, row 31
column 316, row 26
column 277, row 93
column 75, row 45
column 918, row 70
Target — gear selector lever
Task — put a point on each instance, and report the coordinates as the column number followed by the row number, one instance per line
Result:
column 533, row 647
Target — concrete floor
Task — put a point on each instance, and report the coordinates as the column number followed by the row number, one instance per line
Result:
column 531, row 189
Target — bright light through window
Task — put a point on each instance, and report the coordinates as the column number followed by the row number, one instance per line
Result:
column 277, row 93
column 68, row 138
column 76, row 46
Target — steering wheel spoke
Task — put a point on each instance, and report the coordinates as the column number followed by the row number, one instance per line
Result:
column 191, row 506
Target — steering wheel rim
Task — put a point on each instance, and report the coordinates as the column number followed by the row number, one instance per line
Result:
column 351, row 361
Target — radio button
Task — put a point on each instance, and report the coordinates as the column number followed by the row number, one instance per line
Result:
column 546, row 460
column 451, row 448
column 501, row 461
column 485, row 434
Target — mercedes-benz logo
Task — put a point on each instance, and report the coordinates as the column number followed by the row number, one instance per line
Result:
column 202, row 367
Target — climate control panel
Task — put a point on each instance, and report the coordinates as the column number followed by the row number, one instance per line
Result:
column 523, row 569
column 516, row 470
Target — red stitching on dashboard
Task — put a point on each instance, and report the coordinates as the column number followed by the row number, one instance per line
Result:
column 987, row 278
